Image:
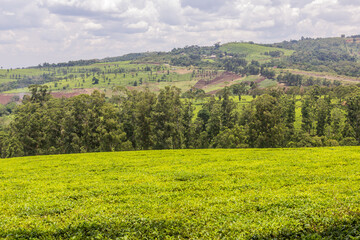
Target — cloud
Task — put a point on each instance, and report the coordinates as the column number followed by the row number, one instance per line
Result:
column 19, row 14
column 207, row 6
column 35, row 31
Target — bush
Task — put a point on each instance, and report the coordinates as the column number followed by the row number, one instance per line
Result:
column 349, row 141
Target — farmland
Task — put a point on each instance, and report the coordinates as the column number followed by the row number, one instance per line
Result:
column 308, row 193
column 253, row 51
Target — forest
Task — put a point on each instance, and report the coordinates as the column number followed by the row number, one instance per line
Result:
column 143, row 120
column 234, row 95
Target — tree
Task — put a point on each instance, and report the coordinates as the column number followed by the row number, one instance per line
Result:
column 227, row 110
column 266, row 128
column 95, row 81
column 39, row 94
column 166, row 118
column 144, row 105
column 353, row 115
column 187, row 125
column 307, row 115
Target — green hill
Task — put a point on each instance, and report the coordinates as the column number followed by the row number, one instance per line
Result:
column 253, row 51
column 206, row 194
column 184, row 67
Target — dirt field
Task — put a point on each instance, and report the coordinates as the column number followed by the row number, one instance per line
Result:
column 225, row 77
column 5, row 98
column 73, row 93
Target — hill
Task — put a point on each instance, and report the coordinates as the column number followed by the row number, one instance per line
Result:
column 245, row 194
column 334, row 55
column 253, row 51
column 333, row 59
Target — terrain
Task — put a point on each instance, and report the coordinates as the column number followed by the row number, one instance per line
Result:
column 308, row 193
column 206, row 68
column 236, row 114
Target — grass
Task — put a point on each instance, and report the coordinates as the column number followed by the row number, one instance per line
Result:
column 253, row 51
column 208, row 194
column 268, row 83
column 74, row 78
column 221, row 85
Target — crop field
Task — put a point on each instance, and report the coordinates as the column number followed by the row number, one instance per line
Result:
column 308, row 193
column 252, row 51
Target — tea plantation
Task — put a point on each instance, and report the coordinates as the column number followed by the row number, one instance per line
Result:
column 309, row 193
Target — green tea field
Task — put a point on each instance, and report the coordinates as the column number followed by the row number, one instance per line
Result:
column 309, row 193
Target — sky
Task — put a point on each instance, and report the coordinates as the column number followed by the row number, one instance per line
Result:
column 38, row 31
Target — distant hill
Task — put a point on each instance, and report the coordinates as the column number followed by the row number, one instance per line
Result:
column 184, row 67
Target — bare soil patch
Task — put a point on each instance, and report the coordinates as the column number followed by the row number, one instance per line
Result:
column 225, row 77
column 73, row 93
column 5, row 98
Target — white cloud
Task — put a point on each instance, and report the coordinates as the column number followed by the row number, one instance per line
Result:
column 7, row 37
column 35, row 31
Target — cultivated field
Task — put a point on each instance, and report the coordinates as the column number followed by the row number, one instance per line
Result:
column 207, row 194
column 252, row 51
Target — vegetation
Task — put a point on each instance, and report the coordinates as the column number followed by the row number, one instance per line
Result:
column 158, row 69
column 134, row 120
column 252, row 51
column 236, row 95
column 233, row 194
column 327, row 55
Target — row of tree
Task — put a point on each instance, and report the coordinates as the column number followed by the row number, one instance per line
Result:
column 134, row 120
column 323, row 54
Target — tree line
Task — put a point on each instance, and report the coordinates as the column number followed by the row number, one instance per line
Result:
column 133, row 120
column 322, row 54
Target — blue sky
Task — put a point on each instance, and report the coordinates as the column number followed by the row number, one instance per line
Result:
column 37, row 31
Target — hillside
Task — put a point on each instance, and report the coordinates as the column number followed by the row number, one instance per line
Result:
column 185, row 67
column 333, row 55
column 254, row 51
column 310, row 193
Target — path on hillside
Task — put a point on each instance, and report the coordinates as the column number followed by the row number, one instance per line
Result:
column 324, row 75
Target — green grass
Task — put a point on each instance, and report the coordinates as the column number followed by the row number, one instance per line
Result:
column 253, row 51
column 268, row 83
column 207, row 194
column 73, row 77
column 221, row 85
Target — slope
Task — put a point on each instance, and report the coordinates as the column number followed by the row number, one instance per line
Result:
column 253, row 51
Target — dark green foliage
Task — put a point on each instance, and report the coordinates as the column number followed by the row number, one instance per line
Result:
column 274, row 53
column 353, row 115
column 95, row 81
column 234, row 64
column 322, row 54
column 267, row 128
column 166, row 120
column 143, row 120
column 80, row 124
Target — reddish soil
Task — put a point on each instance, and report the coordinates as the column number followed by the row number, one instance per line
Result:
column 259, row 80
column 225, row 77
column 5, row 98
column 73, row 93
column 351, row 40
